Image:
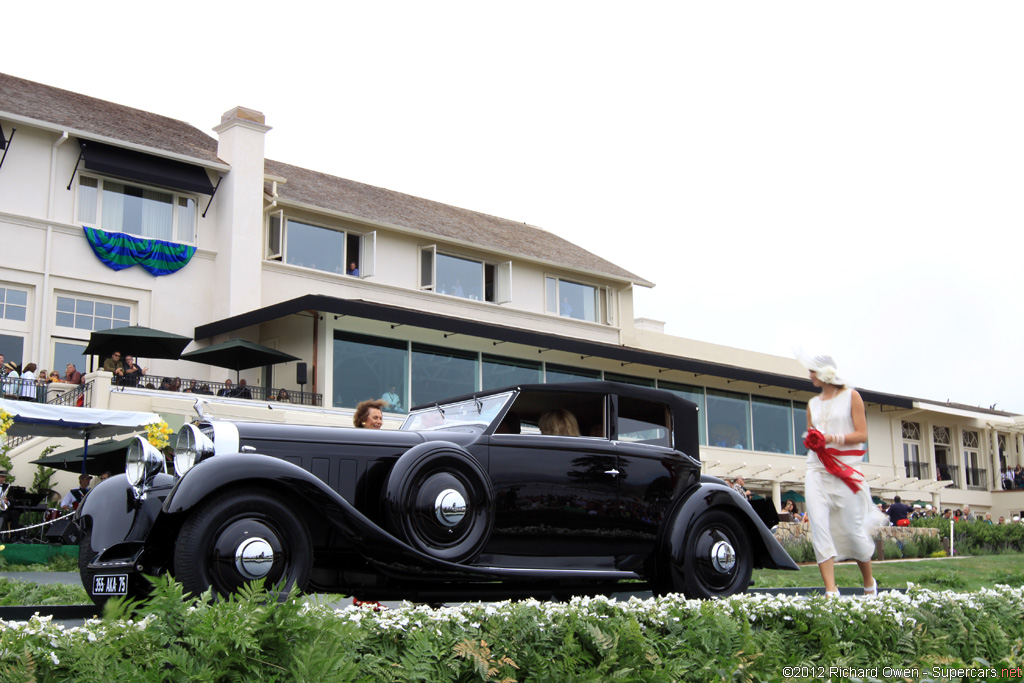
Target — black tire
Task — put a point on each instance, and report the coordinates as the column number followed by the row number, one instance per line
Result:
column 231, row 526
column 718, row 559
column 416, row 485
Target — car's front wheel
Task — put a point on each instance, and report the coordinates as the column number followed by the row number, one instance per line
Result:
column 241, row 536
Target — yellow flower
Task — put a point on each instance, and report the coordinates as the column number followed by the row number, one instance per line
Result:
column 157, row 434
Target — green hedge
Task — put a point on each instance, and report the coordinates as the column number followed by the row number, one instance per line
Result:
column 979, row 538
column 751, row 637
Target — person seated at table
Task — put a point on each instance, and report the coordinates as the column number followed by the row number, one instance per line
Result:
column 282, row 396
column 559, row 422
column 166, row 384
column 74, row 496
column 228, row 389
column 243, row 391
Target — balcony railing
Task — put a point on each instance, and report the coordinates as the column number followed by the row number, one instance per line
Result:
column 949, row 473
column 977, row 479
column 204, row 388
column 917, row 469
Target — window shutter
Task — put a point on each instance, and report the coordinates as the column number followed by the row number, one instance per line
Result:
column 503, row 283
column 427, row 262
column 275, row 221
column 368, row 258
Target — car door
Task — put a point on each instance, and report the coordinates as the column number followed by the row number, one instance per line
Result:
column 651, row 473
column 555, row 496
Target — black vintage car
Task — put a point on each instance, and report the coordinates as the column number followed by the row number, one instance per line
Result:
column 471, row 499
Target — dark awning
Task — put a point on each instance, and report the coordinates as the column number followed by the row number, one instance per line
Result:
column 145, row 168
column 500, row 333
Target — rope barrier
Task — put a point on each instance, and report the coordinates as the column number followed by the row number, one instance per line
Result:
column 36, row 526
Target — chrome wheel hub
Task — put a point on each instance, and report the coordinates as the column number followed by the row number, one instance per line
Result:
column 723, row 557
column 450, row 507
column 254, row 558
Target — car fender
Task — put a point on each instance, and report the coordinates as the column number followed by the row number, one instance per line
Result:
column 712, row 493
column 124, row 517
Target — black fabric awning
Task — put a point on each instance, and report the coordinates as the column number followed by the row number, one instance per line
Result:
column 501, row 333
column 145, row 168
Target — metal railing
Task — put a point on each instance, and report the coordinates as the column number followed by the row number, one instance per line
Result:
column 949, row 473
column 917, row 469
column 977, row 479
column 223, row 389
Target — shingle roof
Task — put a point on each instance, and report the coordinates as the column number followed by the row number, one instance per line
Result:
column 395, row 208
column 104, row 119
column 320, row 190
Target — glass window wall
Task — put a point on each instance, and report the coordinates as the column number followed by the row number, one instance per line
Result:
column 728, row 419
column 370, row 367
column 773, row 425
column 439, row 373
column 497, row 372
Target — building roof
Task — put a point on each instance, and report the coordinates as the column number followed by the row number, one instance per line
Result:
column 329, row 192
column 89, row 116
column 105, row 120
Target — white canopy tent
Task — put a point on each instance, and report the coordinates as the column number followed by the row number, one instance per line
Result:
column 42, row 419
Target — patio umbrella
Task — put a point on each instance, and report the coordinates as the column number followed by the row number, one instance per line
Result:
column 238, row 355
column 136, row 341
column 793, row 496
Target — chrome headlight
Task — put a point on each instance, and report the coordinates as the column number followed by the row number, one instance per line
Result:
column 192, row 447
column 142, row 463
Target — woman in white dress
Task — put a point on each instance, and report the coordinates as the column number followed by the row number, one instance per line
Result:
column 838, row 501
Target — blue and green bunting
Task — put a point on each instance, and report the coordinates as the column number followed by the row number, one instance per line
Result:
column 119, row 251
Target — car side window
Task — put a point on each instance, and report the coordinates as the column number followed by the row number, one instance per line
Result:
column 643, row 421
column 557, row 413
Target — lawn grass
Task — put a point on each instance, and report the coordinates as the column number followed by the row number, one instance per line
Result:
column 959, row 574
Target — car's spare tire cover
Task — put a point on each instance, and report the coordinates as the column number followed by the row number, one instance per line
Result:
column 441, row 502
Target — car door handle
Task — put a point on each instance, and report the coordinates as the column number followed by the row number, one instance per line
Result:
column 614, row 473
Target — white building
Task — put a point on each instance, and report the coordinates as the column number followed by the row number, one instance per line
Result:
column 441, row 301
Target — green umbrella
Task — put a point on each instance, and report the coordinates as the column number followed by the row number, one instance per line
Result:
column 920, row 502
column 238, row 355
column 876, row 500
column 136, row 341
column 793, row 496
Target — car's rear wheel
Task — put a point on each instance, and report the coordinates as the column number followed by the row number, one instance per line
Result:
column 242, row 536
column 718, row 561
column 441, row 503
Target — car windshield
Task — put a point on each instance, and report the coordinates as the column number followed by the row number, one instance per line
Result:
column 475, row 411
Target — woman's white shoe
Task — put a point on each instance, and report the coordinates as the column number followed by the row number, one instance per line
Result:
column 872, row 591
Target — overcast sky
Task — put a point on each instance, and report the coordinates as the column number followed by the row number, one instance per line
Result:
column 841, row 177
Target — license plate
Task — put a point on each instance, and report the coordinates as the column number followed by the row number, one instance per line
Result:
column 110, row 584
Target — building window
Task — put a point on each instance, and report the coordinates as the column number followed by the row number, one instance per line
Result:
column 696, row 395
column 464, row 277
column 728, row 419
column 116, row 206
column 11, row 348
column 912, row 451
column 329, row 250
column 563, row 373
column 439, row 373
column 370, row 367
column 972, row 461
column 629, row 379
column 945, row 466
column 799, row 423
column 497, row 372
column 773, row 420
column 87, row 314
column 575, row 300
column 67, row 351
column 13, row 304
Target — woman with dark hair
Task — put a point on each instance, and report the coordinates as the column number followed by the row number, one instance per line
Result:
column 838, row 500
column 28, row 383
column 369, row 414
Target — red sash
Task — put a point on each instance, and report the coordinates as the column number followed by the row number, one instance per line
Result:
column 815, row 441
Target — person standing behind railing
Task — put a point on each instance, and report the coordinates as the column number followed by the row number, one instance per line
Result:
column 28, row 383
column 11, row 381
column 72, row 375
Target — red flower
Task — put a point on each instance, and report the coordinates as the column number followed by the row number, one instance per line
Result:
column 814, row 440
